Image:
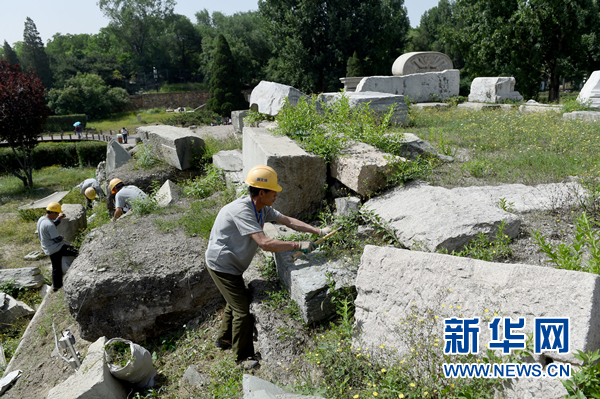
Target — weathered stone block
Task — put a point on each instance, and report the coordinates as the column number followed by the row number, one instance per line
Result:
column 421, row 62
column 484, row 106
column 116, row 156
column 26, row 277
column 256, row 388
column 439, row 106
column 378, row 102
column 11, row 310
column 418, row 87
column 301, row 175
column 345, row 206
column 307, row 281
column 494, row 90
column 538, row 108
column 412, row 146
column 363, row 168
column 74, row 220
column 92, row 380
column 590, row 93
column 350, row 83
column 229, row 161
column 175, row 145
column 414, row 278
column 587, row 116
column 436, row 217
column 168, row 193
column 237, row 120
column 269, row 97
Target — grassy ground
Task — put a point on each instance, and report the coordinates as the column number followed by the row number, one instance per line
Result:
column 129, row 120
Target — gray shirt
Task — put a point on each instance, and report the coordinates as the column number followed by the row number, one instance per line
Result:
column 91, row 183
column 230, row 246
column 125, row 197
column 46, row 233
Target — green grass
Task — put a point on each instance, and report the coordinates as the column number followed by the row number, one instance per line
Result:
column 128, row 119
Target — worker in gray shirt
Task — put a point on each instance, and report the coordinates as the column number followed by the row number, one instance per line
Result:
column 52, row 242
column 234, row 238
column 124, row 196
column 90, row 188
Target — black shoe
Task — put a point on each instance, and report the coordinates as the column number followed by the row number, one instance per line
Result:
column 223, row 345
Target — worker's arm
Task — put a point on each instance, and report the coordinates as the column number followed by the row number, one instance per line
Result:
column 272, row 245
column 298, row 225
column 118, row 213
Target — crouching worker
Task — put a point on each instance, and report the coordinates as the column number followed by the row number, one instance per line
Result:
column 91, row 189
column 234, row 238
column 52, row 242
column 124, row 197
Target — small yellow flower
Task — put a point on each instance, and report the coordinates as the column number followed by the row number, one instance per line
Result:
column 401, row 396
column 355, row 396
column 486, row 311
column 374, row 393
column 412, row 384
column 383, row 370
column 425, row 393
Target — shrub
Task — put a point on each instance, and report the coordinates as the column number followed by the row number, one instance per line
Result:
column 200, row 117
column 145, row 158
column 65, row 154
column 202, row 187
column 64, row 123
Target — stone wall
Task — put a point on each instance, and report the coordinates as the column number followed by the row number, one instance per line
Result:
column 171, row 100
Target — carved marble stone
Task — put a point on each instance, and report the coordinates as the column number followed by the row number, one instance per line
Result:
column 421, row 62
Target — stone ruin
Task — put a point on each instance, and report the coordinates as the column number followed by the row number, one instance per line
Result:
column 590, row 93
column 494, row 90
column 421, row 62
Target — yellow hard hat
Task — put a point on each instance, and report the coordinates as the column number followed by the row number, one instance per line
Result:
column 262, row 176
column 54, row 207
column 113, row 183
column 90, row 193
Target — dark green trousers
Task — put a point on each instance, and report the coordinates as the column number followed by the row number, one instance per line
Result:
column 237, row 325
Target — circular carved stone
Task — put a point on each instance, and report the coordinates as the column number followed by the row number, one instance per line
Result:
column 421, row 62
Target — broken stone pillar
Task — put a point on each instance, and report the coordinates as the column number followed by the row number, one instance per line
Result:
column 494, row 90
column 269, row 97
column 378, row 102
column 417, row 87
column 590, row 93
column 168, row 193
column 74, row 220
column 116, row 156
column 92, row 380
column 237, row 120
column 301, row 175
column 363, row 168
column 174, row 145
column 24, row 277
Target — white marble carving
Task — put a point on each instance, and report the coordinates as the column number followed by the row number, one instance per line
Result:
column 421, row 62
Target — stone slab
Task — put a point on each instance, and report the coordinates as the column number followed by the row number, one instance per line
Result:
column 418, row 88
column 587, row 116
column 74, row 220
column 494, row 90
column 345, row 206
column 438, row 218
column 307, row 281
column 439, row 106
column 532, row 388
column 429, row 280
column 26, row 277
column 43, row 203
column 237, row 120
column 168, row 193
column 519, row 198
column 484, row 106
column 412, row 146
column 539, row 108
column 378, row 102
column 269, row 97
column 175, row 145
column 229, row 161
column 590, row 92
column 421, row 62
column 301, row 175
column 363, row 168
column 11, row 310
column 116, row 156
column 92, row 380
column 193, row 377
column 257, row 388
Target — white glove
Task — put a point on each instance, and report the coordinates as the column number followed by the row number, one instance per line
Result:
column 325, row 231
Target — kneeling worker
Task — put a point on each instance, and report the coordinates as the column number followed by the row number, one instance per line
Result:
column 90, row 188
column 52, row 242
column 124, row 196
column 234, row 238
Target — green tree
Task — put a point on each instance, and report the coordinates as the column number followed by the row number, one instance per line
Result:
column 138, row 27
column 354, row 66
column 87, row 94
column 23, row 115
column 225, row 86
column 33, row 55
column 314, row 39
column 10, row 55
column 184, row 42
column 527, row 39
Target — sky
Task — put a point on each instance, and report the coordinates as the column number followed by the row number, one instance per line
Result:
column 84, row 16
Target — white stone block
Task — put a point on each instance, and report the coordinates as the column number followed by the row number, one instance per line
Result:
column 229, row 161
column 345, row 206
column 485, row 106
column 301, row 175
column 75, row 219
column 587, row 116
column 421, row 62
column 26, row 277
column 168, row 193
column 378, row 102
column 116, row 156
column 11, row 310
column 418, row 87
column 175, row 145
column 269, row 97
column 494, row 90
column 237, row 120
column 590, row 93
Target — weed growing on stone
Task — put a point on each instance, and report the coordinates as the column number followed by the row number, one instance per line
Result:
column 485, row 248
column 584, row 381
column 571, row 256
column 213, row 145
column 149, row 204
column 254, row 118
column 145, row 158
column 572, row 104
column 205, row 186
